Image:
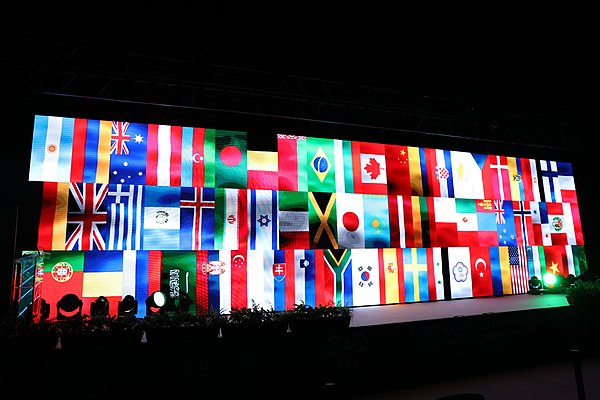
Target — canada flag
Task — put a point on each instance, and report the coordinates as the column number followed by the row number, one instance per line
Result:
column 368, row 168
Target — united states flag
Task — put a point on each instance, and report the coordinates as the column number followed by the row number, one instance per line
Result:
column 519, row 271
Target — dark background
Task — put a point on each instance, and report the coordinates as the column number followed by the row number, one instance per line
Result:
column 512, row 82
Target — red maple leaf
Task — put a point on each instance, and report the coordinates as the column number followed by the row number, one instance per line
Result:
column 373, row 168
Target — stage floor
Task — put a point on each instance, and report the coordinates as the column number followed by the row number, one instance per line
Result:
column 409, row 312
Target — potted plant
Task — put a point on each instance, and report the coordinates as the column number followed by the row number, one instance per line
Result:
column 323, row 318
column 255, row 321
column 21, row 334
column 95, row 332
column 584, row 293
column 165, row 327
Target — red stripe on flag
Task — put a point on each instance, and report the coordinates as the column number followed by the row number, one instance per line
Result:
column 409, row 224
column 432, row 180
column 321, row 298
column 239, row 279
column 154, row 270
column 201, row 282
column 242, row 222
column 290, row 280
column 152, row 155
column 176, row 143
column 48, row 211
column 381, row 276
column 287, row 162
column 526, row 179
column 262, row 180
column 481, row 272
column 577, row 224
column 398, row 172
column 400, row 264
column 198, row 164
column 486, row 177
column 78, row 154
column 394, row 221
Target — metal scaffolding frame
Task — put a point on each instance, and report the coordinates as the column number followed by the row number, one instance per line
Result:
column 62, row 69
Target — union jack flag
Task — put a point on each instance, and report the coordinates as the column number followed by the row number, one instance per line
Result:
column 86, row 214
column 119, row 138
column 499, row 212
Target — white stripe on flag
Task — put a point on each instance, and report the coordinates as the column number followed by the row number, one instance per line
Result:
column 570, row 225
column 163, row 168
column 441, row 162
column 401, row 222
column 519, row 273
column 338, row 152
column 299, row 278
column 268, row 301
column 255, row 280
column 129, row 273
column 570, row 261
column 437, row 273
column 534, row 180
column 365, row 277
column 225, row 281
column 537, row 268
column 53, row 169
column 230, row 231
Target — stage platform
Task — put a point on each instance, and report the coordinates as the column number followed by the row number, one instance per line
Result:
column 410, row 312
column 386, row 347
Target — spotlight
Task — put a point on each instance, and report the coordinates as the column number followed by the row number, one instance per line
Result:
column 549, row 280
column 69, row 306
column 535, row 285
column 549, row 283
column 99, row 307
column 155, row 302
column 128, row 306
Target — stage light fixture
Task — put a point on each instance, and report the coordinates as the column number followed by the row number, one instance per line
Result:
column 550, row 283
column 549, row 280
column 128, row 306
column 535, row 285
column 99, row 307
column 69, row 306
column 155, row 302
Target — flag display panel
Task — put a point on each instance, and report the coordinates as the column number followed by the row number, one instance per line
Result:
column 129, row 208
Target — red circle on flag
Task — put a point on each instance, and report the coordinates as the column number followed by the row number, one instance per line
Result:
column 231, row 156
column 350, row 221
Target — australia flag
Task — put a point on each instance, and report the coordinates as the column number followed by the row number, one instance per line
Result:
column 128, row 153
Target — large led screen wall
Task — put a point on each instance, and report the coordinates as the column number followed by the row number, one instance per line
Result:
column 131, row 208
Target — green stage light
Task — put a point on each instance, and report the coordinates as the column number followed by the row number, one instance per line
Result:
column 549, row 279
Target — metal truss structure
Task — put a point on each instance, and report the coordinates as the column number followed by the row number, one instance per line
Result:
column 81, row 71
